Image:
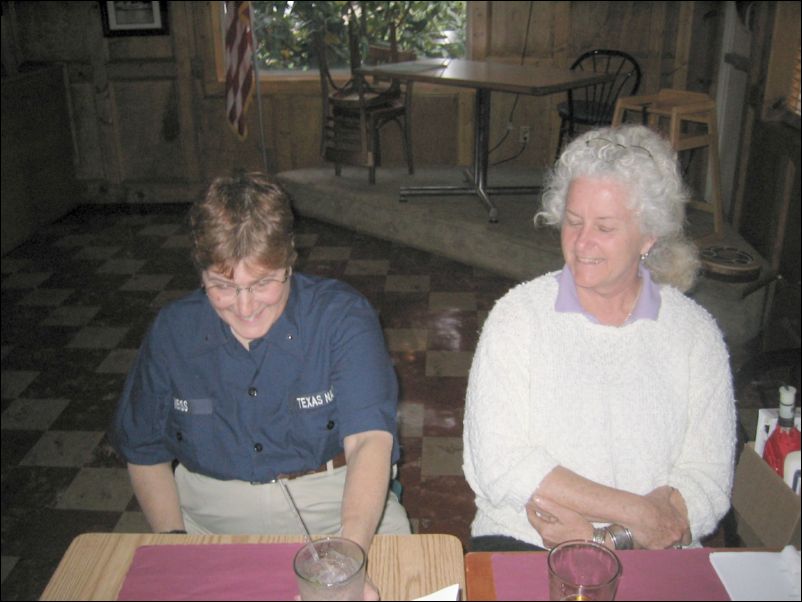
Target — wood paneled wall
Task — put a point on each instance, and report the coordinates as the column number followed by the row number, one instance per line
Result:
column 38, row 179
column 675, row 44
column 148, row 112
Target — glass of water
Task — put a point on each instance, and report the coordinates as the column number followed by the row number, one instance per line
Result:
column 582, row 570
column 330, row 569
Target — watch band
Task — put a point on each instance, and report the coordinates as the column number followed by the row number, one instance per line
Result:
column 621, row 536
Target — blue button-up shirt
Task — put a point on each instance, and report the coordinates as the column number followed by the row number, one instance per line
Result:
column 321, row 373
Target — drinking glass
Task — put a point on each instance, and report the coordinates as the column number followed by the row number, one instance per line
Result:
column 330, row 569
column 583, row 570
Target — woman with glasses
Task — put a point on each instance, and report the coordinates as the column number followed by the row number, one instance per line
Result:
column 600, row 402
column 262, row 374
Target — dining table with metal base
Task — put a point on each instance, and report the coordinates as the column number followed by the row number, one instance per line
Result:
column 485, row 78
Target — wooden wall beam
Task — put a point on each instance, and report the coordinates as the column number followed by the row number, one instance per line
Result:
column 679, row 80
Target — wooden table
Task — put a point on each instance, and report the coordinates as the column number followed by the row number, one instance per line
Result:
column 485, row 78
column 480, row 579
column 404, row 567
column 479, row 576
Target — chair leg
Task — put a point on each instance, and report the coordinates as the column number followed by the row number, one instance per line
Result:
column 407, row 133
column 375, row 153
column 377, row 148
column 560, row 140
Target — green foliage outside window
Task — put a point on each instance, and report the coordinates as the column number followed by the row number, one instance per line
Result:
column 284, row 30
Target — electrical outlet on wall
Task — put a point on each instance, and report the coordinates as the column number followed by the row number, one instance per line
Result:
column 523, row 134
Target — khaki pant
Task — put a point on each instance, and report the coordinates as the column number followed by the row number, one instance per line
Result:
column 213, row 506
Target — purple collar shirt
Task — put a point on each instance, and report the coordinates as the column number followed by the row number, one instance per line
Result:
column 647, row 307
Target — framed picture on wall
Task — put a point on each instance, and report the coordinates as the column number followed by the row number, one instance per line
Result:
column 134, row 18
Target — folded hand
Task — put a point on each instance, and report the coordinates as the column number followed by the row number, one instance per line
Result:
column 663, row 522
column 555, row 522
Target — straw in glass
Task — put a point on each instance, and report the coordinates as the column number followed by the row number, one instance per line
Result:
column 295, row 511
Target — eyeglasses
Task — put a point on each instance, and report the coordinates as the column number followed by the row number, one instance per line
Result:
column 600, row 143
column 225, row 291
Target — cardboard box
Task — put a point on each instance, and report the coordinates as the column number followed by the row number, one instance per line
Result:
column 767, row 510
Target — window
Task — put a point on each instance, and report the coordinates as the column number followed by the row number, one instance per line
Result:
column 284, row 30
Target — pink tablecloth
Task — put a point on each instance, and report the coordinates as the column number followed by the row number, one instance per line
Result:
column 647, row 575
column 212, row 572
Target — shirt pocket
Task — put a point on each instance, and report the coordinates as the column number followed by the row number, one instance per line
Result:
column 315, row 419
column 190, row 428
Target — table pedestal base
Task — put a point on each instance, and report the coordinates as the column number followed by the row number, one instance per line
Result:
column 482, row 193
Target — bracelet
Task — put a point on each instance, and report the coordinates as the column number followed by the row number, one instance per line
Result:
column 599, row 535
column 621, row 536
column 174, row 532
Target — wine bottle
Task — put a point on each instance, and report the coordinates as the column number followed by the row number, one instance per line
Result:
column 792, row 473
column 785, row 438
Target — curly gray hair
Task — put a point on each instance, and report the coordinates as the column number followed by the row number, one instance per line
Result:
column 645, row 163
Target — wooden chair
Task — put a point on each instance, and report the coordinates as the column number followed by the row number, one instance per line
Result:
column 690, row 121
column 594, row 105
column 355, row 113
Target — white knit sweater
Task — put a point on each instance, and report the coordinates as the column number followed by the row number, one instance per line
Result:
column 634, row 408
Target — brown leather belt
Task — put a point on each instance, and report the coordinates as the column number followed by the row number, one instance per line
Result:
column 338, row 460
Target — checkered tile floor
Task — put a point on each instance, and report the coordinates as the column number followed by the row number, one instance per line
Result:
column 76, row 302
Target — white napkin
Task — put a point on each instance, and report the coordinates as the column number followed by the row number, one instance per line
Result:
column 447, row 593
column 759, row 575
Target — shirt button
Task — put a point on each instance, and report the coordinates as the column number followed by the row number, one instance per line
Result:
column 289, row 337
column 179, row 435
column 330, row 424
column 253, row 391
column 258, row 447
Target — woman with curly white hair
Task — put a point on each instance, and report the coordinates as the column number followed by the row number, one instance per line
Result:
column 600, row 402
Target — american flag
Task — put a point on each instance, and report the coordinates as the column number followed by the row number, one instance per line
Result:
column 239, row 66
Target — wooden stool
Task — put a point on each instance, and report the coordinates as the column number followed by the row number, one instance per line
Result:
column 681, row 107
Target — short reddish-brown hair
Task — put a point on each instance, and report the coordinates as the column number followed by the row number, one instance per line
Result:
column 243, row 217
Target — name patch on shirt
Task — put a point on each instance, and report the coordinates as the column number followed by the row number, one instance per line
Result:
column 192, row 406
column 315, row 400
